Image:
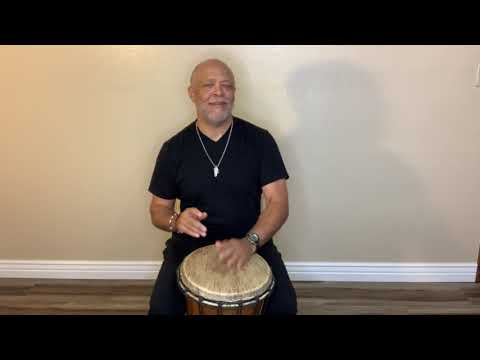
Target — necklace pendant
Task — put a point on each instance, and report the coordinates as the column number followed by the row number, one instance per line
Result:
column 215, row 171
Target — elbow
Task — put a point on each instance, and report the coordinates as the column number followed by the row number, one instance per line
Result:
column 152, row 218
column 151, row 214
column 286, row 212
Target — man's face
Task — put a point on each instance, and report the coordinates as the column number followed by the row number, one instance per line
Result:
column 213, row 92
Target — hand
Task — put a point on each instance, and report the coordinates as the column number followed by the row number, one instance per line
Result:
column 188, row 222
column 235, row 253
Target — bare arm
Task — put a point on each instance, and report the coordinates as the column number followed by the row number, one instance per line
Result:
column 276, row 210
column 160, row 212
column 236, row 252
column 188, row 222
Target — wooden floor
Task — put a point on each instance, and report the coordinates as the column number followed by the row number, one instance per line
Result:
column 30, row 296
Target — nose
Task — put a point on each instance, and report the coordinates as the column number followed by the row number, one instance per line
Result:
column 218, row 89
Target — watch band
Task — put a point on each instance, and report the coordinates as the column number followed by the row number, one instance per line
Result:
column 254, row 239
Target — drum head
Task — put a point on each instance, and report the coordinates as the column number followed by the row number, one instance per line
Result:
column 204, row 275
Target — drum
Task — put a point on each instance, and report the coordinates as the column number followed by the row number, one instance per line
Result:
column 210, row 288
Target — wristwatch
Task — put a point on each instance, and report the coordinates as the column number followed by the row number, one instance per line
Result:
column 254, row 239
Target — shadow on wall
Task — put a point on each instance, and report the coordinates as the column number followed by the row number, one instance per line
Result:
column 351, row 198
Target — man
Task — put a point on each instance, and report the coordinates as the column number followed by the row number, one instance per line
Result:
column 219, row 166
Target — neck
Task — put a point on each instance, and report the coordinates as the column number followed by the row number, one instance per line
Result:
column 214, row 131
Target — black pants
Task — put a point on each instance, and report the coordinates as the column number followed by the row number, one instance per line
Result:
column 167, row 299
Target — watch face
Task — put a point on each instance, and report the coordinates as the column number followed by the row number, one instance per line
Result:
column 254, row 237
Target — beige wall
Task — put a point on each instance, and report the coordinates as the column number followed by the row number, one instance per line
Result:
column 381, row 142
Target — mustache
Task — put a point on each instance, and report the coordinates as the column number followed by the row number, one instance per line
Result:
column 219, row 102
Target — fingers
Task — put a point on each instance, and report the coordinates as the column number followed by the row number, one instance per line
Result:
column 189, row 223
column 190, row 228
column 196, row 227
column 199, row 227
column 228, row 255
column 233, row 253
column 187, row 229
column 225, row 255
column 241, row 264
column 199, row 215
column 232, row 262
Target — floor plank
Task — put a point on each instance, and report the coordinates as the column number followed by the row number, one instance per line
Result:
column 130, row 297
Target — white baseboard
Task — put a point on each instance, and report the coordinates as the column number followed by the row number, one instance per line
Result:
column 49, row 269
column 298, row 271
column 382, row 272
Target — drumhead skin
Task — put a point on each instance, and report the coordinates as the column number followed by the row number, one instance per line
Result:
column 203, row 274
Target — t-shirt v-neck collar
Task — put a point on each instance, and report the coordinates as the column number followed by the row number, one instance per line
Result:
column 211, row 141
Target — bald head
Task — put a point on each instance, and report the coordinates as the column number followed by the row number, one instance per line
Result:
column 202, row 69
column 212, row 90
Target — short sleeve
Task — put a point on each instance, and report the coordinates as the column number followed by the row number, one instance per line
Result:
column 163, row 181
column 272, row 167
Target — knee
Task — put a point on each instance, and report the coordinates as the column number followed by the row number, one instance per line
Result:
column 166, row 298
column 154, row 310
column 287, row 307
column 284, row 305
column 156, row 307
column 166, row 307
column 291, row 307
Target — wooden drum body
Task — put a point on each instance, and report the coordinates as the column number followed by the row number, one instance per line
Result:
column 210, row 288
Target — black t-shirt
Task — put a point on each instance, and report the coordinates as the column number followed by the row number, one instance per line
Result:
column 232, row 199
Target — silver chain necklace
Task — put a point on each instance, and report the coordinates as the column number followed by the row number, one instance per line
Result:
column 215, row 166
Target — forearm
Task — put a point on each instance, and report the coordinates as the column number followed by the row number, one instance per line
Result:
column 270, row 220
column 161, row 216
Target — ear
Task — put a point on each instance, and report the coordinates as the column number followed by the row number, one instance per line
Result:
column 191, row 93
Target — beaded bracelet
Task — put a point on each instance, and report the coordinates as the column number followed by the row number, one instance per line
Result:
column 172, row 221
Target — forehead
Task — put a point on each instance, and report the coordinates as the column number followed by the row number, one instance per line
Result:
column 213, row 71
